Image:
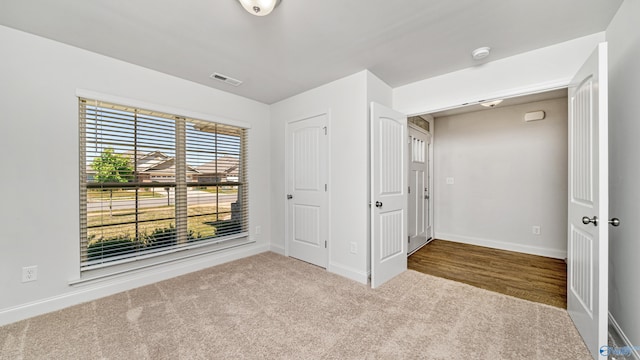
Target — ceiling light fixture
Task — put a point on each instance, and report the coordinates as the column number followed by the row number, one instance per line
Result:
column 259, row 7
column 480, row 53
column 491, row 104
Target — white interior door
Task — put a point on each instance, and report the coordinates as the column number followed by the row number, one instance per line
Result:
column 418, row 210
column 307, row 215
column 388, row 194
column 588, row 248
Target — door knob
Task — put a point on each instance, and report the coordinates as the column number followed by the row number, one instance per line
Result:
column 614, row 222
column 586, row 220
column 378, row 204
column 289, row 196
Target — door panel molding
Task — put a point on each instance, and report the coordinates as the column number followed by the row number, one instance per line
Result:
column 388, row 193
column 588, row 243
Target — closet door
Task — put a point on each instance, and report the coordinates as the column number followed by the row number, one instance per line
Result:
column 307, row 209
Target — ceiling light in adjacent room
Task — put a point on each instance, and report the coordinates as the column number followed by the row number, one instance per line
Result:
column 481, row 53
column 491, row 104
column 259, row 7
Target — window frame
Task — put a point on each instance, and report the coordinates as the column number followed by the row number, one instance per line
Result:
column 157, row 256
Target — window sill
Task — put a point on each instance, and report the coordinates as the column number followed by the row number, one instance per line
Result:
column 109, row 272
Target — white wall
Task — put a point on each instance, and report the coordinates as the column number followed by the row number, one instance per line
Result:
column 509, row 175
column 346, row 103
column 542, row 69
column 624, row 168
column 39, row 215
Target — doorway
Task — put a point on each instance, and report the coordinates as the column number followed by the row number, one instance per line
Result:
column 500, row 180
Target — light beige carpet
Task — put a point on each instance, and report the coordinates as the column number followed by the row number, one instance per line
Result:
column 272, row 307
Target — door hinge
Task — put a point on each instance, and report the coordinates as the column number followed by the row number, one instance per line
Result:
column 325, row 130
column 325, row 187
column 409, row 189
column 325, row 244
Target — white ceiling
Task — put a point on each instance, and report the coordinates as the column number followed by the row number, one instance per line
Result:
column 306, row 43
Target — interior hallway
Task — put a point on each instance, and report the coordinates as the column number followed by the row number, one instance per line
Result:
column 529, row 277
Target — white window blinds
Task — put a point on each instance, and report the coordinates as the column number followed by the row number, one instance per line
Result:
column 152, row 183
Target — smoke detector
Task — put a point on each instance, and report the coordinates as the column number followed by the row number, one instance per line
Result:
column 480, row 53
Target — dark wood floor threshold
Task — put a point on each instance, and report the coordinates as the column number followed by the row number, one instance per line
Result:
column 530, row 277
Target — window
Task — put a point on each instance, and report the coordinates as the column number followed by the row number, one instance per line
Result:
column 153, row 183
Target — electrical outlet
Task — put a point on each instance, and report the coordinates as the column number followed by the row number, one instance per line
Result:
column 354, row 248
column 449, row 181
column 535, row 230
column 258, row 230
column 29, row 273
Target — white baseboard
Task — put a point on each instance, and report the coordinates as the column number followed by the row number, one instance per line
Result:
column 527, row 249
column 94, row 290
column 277, row 249
column 348, row 272
column 635, row 354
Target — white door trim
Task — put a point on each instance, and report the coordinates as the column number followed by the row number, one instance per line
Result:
column 432, row 192
column 511, row 93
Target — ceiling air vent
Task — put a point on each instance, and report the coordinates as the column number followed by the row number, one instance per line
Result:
column 226, row 79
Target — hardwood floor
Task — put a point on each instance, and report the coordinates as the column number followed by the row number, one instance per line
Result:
column 529, row 277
